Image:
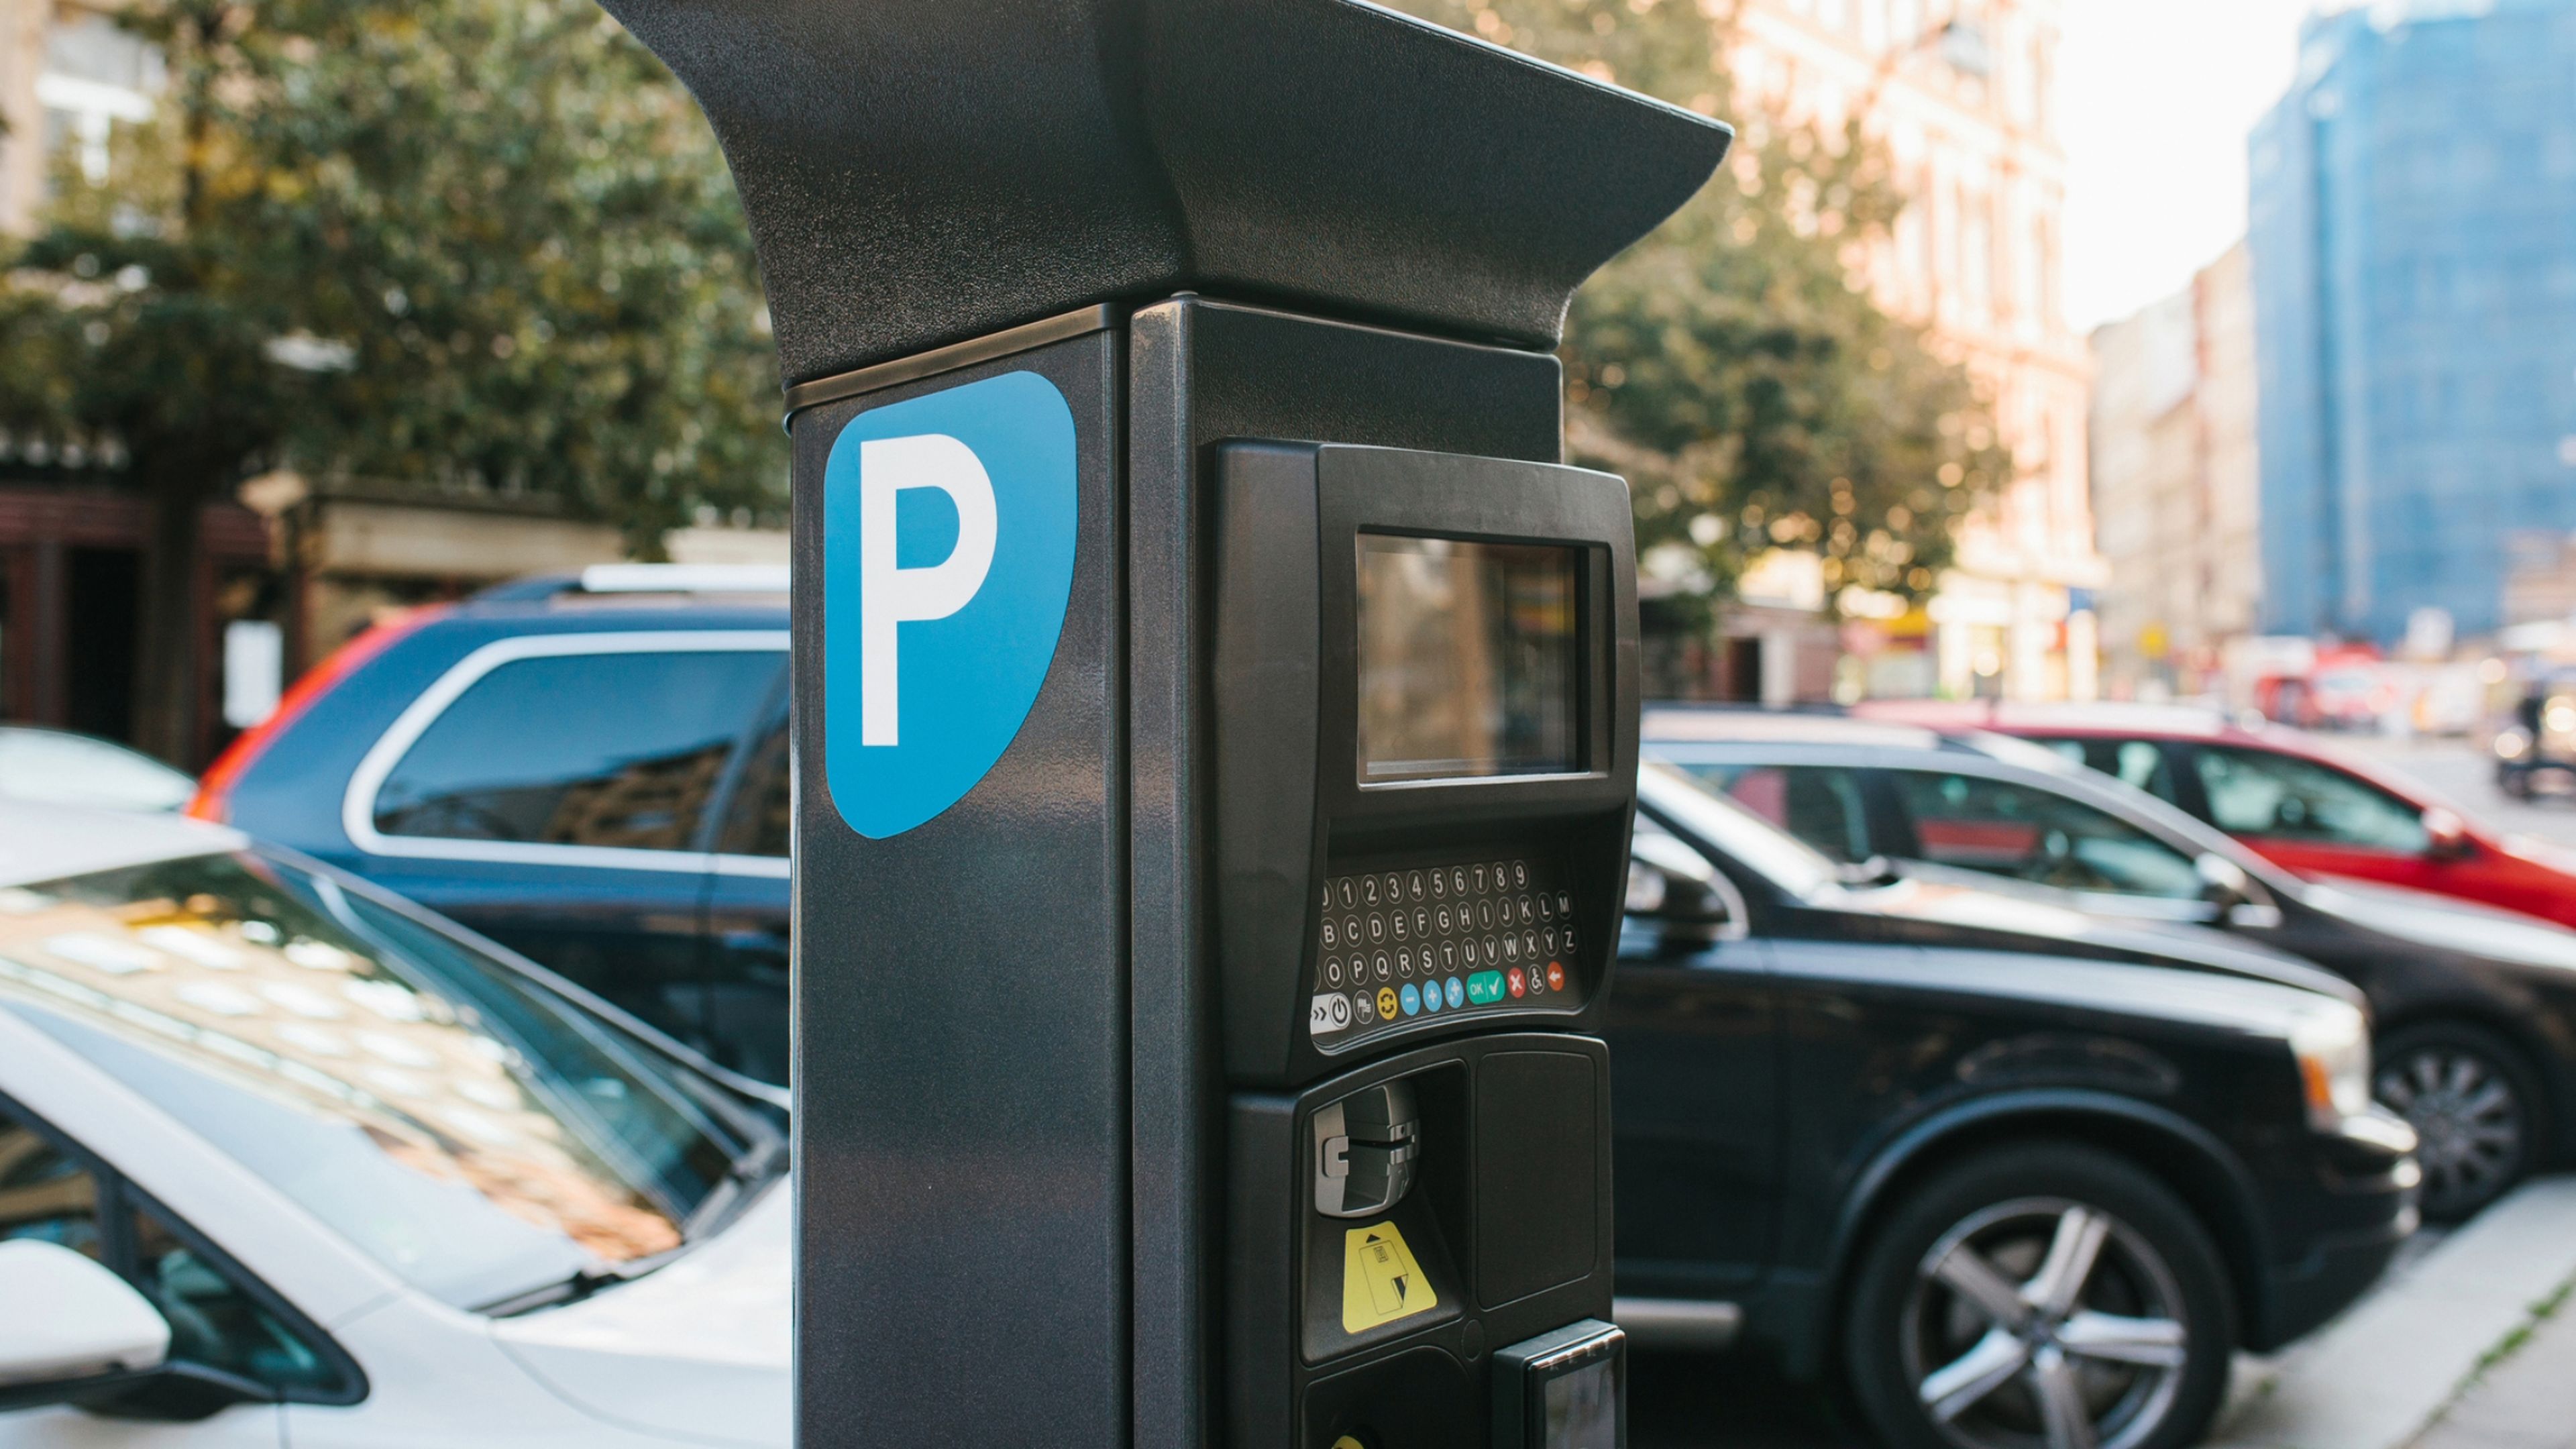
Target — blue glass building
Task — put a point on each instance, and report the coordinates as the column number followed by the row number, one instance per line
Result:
column 2413, row 232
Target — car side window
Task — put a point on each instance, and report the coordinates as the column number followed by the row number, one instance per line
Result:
column 2256, row 792
column 764, row 799
column 2140, row 763
column 612, row 749
column 50, row 1195
column 214, row 1321
column 1821, row 805
column 45, row 1194
column 2015, row 830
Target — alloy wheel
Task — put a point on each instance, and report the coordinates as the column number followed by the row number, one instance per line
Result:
column 2045, row 1321
column 2467, row 1117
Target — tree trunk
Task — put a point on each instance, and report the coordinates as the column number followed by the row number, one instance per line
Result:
column 166, row 687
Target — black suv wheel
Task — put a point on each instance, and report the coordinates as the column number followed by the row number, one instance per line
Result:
column 2475, row 1107
column 2041, row 1294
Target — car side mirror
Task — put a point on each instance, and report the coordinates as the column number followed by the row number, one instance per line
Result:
column 2230, row 894
column 95, row 1325
column 2446, row 835
column 1672, row 888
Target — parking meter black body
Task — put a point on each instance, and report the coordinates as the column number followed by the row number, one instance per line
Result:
column 1176, row 441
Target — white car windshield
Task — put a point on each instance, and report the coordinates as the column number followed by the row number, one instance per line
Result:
column 481, row 1136
column 1786, row 861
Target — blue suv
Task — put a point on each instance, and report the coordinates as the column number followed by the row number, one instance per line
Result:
column 591, row 769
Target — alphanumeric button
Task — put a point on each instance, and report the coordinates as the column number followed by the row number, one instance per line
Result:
column 1413, row 885
column 1480, row 880
column 1394, row 888
column 1527, row 914
column 1485, row 914
column 1564, row 904
column 1404, row 964
column 1350, row 930
column 1349, row 896
column 1529, row 944
column 1546, row 906
column 1502, row 876
column 1377, row 929
column 1458, row 879
column 1384, row 967
column 1549, row 936
column 1511, row 948
column 1444, row 919
column 1403, row 925
column 1569, row 938
column 1520, row 875
column 1368, row 890
column 1333, row 971
column 1439, row 884
column 1448, row 955
column 1493, row 951
column 1332, row 935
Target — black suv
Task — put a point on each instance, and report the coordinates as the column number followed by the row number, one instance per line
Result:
column 2029, row 1176
column 2475, row 1008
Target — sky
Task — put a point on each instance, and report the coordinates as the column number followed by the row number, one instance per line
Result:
column 2156, row 98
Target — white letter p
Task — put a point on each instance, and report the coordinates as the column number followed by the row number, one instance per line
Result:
column 890, row 595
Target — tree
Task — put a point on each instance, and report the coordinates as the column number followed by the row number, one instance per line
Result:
column 467, row 243
column 1733, row 364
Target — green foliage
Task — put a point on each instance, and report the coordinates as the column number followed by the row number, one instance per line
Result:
column 479, row 242
column 1733, row 365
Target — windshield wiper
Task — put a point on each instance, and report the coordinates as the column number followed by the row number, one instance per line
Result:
column 579, row 1286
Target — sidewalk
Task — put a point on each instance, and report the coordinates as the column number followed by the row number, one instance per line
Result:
column 2526, row 1398
column 2439, row 1333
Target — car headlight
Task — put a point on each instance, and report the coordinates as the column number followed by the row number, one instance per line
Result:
column 2511, row 744
column 2332, row 1043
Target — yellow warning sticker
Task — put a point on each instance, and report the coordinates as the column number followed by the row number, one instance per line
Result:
column 1380, row 1281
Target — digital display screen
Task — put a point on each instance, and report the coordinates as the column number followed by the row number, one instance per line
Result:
column 1582, row 1408
column 1469, row 665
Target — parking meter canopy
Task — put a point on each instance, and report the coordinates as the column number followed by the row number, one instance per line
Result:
column 919, row 172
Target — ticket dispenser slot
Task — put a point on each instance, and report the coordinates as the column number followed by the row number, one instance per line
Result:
column 1366, row 1148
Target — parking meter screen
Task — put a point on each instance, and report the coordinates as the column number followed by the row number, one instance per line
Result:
column 1468, row 659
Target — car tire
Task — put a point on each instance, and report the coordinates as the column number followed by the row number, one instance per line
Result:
column 2476, row 1107
column 1966, row 1329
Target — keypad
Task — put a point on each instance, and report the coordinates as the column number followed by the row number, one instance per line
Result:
column 1397, row 945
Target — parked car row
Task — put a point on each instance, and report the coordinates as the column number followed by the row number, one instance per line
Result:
column 2016, row 1083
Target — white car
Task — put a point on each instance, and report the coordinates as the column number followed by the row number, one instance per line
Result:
column 285, row 1160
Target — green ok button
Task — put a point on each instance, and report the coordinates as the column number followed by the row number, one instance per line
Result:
column 1485, row 987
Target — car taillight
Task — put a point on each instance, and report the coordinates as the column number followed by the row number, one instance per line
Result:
column 213, row 800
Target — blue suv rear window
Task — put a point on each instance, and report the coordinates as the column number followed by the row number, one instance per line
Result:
column 621, row 750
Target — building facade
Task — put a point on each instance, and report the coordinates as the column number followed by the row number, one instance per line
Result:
column 1963, row 95
column 2413, row 230
column 2176, row 486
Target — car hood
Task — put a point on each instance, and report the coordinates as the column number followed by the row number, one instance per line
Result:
column 2457, row 927
column 1953, row 913
column 697, row 1351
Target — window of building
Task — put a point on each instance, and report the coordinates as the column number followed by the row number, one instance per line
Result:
column 97, row 74
column 621, row 750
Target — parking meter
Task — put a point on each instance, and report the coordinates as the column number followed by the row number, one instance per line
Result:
column 1214, row 712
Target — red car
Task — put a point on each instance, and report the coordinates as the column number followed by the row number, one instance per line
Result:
column 2295, row 798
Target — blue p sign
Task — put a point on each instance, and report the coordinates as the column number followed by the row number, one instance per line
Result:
column 948, row 540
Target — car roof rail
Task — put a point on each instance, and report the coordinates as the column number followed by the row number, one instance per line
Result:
column 644, row 578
